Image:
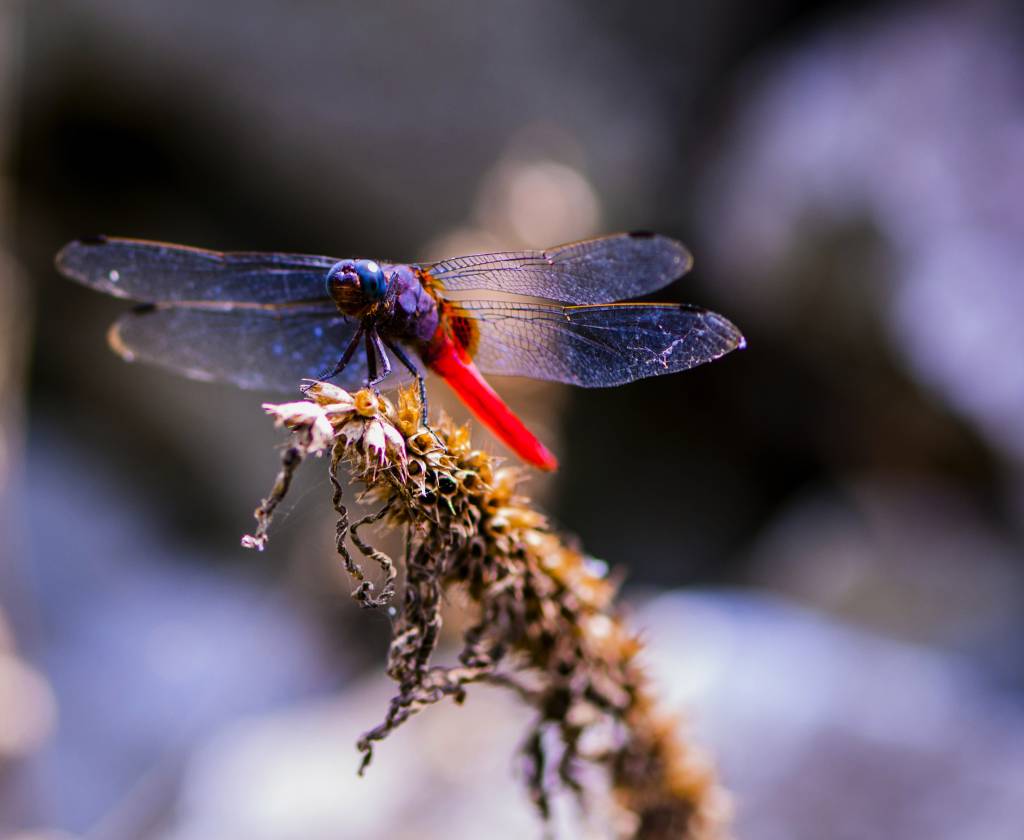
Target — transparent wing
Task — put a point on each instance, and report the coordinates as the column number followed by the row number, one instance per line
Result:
column 156, row 272
column 596, row 346
column 600, row 270
column 257, row 348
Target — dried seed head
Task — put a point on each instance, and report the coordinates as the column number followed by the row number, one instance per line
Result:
column 306, row 418
column 504, row 484
column 447, row 485
column 327, row 394
column 408, row 422
column 470, row 482
column 367, row 403
column 409, row 412
column 547, row 622
column 522, row 518
column 481, row 464
column 396, row 443
column 458, row 441
column 424, row 443
column 374, row 441
column 496, row 526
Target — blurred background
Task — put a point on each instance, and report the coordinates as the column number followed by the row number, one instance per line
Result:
column 821, row 534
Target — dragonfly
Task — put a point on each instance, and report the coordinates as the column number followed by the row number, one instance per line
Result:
column 270, row 321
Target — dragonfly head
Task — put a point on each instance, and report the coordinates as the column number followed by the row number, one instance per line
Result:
column 356, row 283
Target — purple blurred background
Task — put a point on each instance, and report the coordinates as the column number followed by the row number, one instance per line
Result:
column 842, row 502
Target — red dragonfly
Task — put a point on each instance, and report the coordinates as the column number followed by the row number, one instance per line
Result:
column 270, row 320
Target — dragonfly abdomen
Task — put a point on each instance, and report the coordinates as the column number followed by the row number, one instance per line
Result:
column 453, row 364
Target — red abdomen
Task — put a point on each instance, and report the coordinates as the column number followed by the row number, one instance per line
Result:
column 453, row 363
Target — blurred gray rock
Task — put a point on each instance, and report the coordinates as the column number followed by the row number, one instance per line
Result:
column 906, row 124
column 147, row 644
column 819, row 730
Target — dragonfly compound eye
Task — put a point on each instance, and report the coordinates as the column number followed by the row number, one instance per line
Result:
column 371, row 277
column 344, row 284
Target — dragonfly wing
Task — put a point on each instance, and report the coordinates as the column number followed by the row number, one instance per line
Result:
column 160, row 273
column 596, row 346
column 600, row 270
column 257, row 348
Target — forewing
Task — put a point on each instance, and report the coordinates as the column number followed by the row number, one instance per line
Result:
column 596, row 346
column 157, row 272
column 603, row 270
column 257, row 348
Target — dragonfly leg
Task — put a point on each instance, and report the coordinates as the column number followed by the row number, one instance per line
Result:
column 374, row 351
column 421, row 381
column 346, row 357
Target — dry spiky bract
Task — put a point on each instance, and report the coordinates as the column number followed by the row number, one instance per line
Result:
column 545, row 627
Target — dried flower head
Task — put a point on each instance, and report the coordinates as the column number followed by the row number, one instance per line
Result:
column 546, row 626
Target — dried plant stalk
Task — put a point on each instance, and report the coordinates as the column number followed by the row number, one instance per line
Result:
column 546, row 627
